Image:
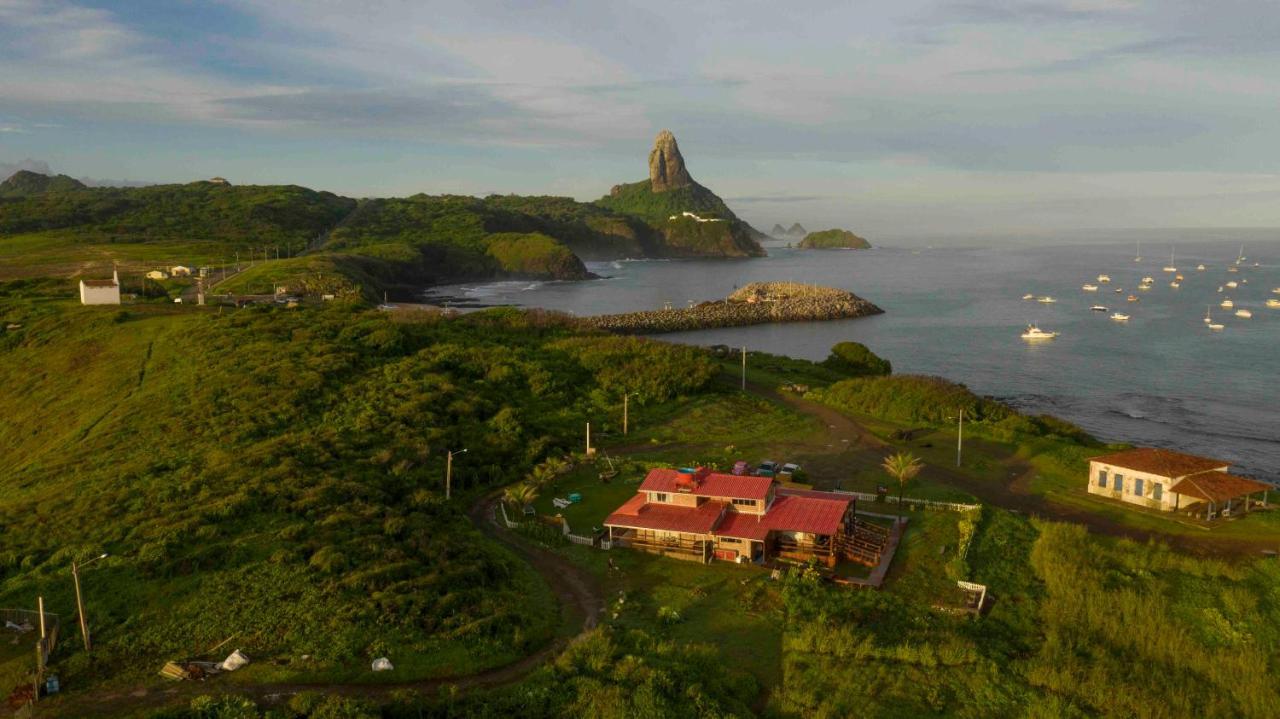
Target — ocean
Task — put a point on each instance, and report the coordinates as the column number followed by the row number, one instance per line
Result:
column 1163, row 378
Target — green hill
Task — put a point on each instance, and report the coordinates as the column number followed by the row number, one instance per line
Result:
column 278, row 476
column 832, row 240
column 25, row 182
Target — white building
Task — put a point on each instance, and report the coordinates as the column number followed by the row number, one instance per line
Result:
column 1172, row 481
column 157, row 275
column 180, row 271
column 101, row 292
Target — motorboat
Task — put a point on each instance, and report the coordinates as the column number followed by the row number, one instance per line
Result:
column 1200, row 267
column 1233, row 268
column 1273, row 304
column 1104, row 278
column 1219, row 288
column 1089, row 288
column 1028, row 296
column 1035, row 333
column 1046, row 300
column 1175, row 284
column 1132, row 298
column 1215, row 327
column 1119, row 290
column 1233, row 284
column 1276, row 291
column 1148, row 280
column 1100, row 308
column 1246, row 314
column 1120, row 317
column 1227, row 304
column 1179, row 277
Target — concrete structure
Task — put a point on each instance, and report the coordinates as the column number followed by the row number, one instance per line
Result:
column 100, row 292
column 157, row 275
column 702, row 515
column 1172, row 481
column 180, row 271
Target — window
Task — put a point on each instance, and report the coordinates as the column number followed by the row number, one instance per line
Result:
column 730, row 540
column 1102, row 478
column 1119, row 483
column 659, row 496
column 1137, row 486
column 744, row 502
column 1157, row 491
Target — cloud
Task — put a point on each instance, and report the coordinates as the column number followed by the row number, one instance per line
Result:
column 751, row 199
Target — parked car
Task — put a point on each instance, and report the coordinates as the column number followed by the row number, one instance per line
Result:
column 741, row 467
column 767, row 468
column 788, row 469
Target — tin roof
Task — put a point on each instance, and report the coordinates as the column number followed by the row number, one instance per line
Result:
column 638, row 513
column 707, row 484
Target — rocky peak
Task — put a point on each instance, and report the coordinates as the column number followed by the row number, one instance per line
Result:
column 666, row 165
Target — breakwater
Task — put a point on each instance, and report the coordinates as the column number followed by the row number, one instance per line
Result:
column 754, row 304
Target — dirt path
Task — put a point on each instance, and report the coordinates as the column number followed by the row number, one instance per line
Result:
column 576, row 591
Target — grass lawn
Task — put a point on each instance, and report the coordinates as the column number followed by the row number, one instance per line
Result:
column 17, row 659
column 598, row 498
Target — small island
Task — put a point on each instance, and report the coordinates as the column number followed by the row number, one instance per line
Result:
column 833, row 239
column 756, row 303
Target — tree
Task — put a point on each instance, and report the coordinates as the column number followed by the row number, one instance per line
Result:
column 855, row 360
column 902, row 467
column 520, row 495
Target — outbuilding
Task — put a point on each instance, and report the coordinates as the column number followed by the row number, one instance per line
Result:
column 101, row 292
column 1174, row 481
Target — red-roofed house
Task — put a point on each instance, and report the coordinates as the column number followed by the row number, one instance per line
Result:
column 1172, row 481
column 703, row 515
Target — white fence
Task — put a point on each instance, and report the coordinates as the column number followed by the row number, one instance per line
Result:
column 922, row 503
column 564, row 528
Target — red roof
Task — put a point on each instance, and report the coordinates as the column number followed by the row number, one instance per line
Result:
column 1217, row 486
column 741, row 525
column 98, row 283
column 1163, row 462
column 804, row 512
column 638, row 513
column 707, row 484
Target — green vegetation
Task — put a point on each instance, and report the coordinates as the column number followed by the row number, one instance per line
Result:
column 853, row 358
column 278, row 475
column 24, row 182
column 836, row 239
column 916, row 399
column 686, row 236
column 535, row 255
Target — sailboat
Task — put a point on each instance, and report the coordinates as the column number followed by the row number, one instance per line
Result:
column 1172, row 267
column 1241, row 258
column 1137, row 255
column 1208, row 314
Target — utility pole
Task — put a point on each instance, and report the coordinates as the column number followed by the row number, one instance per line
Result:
column 448, row 473
column 744, row 368
column 624, row 412
column 960, row 437
column 84, row 623
column 588, row 440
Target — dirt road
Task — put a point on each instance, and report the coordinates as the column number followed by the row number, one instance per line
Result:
column 576, row 591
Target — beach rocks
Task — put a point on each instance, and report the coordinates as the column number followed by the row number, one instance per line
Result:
column 756, row 303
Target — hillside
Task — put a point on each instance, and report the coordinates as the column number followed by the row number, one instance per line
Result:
column 24, row 182
column 278, row 476
column 55, row 226
column 835, row 239
column 663, row 200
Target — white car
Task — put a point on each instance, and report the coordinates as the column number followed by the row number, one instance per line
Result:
column 788, row 469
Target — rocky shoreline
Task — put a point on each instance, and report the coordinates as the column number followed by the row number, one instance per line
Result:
column 754, row 304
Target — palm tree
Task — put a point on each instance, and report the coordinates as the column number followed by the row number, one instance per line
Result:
column 520, row 495
column 902, row 467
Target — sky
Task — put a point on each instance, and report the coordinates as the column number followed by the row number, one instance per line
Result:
column 914, row 117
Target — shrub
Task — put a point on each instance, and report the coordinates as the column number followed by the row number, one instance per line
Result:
column 854, row 359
